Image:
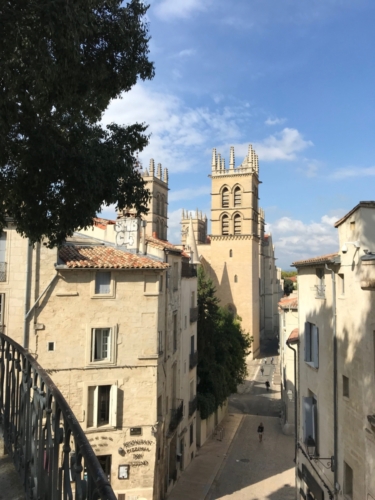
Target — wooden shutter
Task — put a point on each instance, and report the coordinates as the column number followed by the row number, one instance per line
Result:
column 315, row 345
column 308, row 418
column 307, row 341
column 113, row 406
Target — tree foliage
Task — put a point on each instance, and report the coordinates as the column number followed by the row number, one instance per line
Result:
column 288, row 287
column 61, row 62
column 222, row 349
column 288, row 274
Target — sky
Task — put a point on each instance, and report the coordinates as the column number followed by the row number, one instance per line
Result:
column 296, row 79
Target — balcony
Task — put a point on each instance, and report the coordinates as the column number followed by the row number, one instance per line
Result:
column 177, row 415
column 188, row 270
column 193, row 360
column 3, row 271
column 50, row 451
column 193, row 314
column 193, row 405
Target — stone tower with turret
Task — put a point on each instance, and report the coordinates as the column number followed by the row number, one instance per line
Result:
column 157, row 217
column 199, row 224
column 232, row 258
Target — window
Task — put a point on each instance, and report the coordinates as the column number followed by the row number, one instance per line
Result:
column 192, row 299
column 310, row 420
column 235, row 278
column 3, row 244
column 225, row 225
column 320, row 287
column 312, row 345
column 225, row 198
column 158, row 228
column 345, row 386
column 348, row 481
column 50, row 346
column 237, row 224
column 162, row 206
column 341, row 284
column 105, row 462
column 191, row 434
column 160, row 342
column 2, row 309
column 158, row 204
column 230, row 253
column 160, row 406
column 161, row 283
column 102, row 283
column 162, row 237
column 100, row 344
column 237, row 197
column 174, row 332
column 175, row 276
column 192, row 344
column 352, row 226
column 102, row 406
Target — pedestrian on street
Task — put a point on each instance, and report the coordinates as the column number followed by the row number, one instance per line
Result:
column 267, row 385
column 260, row 431
column 271, row 361
column 262, row 370
column 265, row 361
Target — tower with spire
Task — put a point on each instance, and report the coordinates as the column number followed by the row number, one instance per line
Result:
column 199, row 224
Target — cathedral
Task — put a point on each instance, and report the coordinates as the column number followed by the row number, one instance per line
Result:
column 237, row 254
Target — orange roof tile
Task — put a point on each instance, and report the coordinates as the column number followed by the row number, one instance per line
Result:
column 162, row 244
column 288, row 303
column 293, row 337
column 315, row 260
column 104, row 257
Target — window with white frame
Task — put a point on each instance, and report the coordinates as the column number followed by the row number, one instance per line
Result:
column 102, row 406
column 312, row 344
column 101, row 343
column 310, row 420
column 103, row 283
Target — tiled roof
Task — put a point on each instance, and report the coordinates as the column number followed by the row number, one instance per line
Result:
column 104, row 257
column 316, row 260
column 288, row 303
column 293, row 337
column 361, row 204
column 162, row 244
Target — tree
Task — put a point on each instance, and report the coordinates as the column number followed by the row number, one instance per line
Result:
column 222, row 349
column 61, row 62
column 288, row 287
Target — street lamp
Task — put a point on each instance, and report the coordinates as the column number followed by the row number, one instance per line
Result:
column 311, row 448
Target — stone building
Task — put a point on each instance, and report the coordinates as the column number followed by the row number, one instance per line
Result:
column 235, row 252
column 336, row 404
column 111, row 316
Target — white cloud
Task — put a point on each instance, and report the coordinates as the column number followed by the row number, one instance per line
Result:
column 179, row 134
column 172, row 9
column 189, row 193
column 295, row 240
column 174, row 226
column 282, row 146
column 275, row 121
column 345, row 173
column 186, row 53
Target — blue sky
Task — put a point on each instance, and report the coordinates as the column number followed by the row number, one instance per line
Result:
column 294, row 78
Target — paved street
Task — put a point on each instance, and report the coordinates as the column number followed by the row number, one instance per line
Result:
column 253, row 470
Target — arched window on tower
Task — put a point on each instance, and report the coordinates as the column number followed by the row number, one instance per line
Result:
column 158, row 228
column 162, row 236
column 237, row 197
column 225, row 225
column 158, row 204
column 162, row 207
column 225, row 198
column 237, row 224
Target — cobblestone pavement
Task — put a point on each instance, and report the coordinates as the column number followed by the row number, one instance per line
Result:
column 10, row 484
column 254, row 470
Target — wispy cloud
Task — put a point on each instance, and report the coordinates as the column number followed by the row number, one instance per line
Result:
column 189, row 193
column 347, row 172
column 275, row 121
column 177, row 9
column 186, row 53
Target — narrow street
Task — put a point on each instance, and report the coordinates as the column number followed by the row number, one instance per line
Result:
column 254, row 470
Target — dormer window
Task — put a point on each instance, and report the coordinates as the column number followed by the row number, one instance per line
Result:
column 225, row 198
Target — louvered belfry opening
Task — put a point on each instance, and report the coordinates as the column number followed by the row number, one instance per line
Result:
column 225, row 225
column 237, row 197
column 225, row 198
column 237, row 224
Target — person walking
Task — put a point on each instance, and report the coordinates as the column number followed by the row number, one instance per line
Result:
column 260, row 431
column 271, row 361
column 262, row 370
column 267, row 385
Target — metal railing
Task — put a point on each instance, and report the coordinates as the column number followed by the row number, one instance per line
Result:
column 193, row 405
column 193, row 359
column 193, row 314
column 177, row 415
column 3, row 271
column 49, row 449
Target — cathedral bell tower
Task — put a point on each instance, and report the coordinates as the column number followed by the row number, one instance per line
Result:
column 157, row 217
column 235, row 237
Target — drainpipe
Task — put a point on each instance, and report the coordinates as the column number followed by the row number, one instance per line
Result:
column 27, row 283
column 295, row 401
column 335, row 409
